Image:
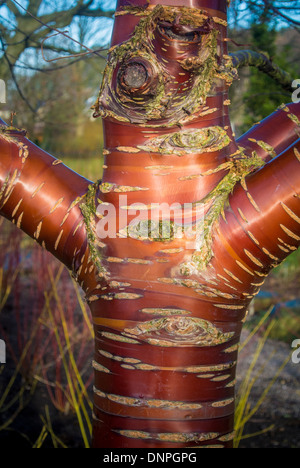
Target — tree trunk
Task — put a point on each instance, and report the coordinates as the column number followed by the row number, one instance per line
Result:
column 176, row 240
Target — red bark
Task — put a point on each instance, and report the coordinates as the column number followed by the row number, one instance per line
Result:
column 167, row 313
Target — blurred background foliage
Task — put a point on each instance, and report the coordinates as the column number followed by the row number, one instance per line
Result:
column 52, row 80
column 52, row 96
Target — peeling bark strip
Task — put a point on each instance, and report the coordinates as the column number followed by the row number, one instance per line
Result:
column 168, row 296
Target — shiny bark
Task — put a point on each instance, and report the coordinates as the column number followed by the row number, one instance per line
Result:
column 168, row 298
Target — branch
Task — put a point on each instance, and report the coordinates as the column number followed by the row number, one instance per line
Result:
column 262, row 224
column 287, row 18
column 263, row 63
column 80, row 54
column 49, row 69
column 11, row 68
column 60, row 20
column 12, row 6
column 96, row 13
column 64, row 17
column 42, row 197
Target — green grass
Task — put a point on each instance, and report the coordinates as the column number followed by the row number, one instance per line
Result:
column 91, row 168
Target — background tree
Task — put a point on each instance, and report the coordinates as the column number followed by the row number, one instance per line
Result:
column 24, row 27
column 62, row 122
